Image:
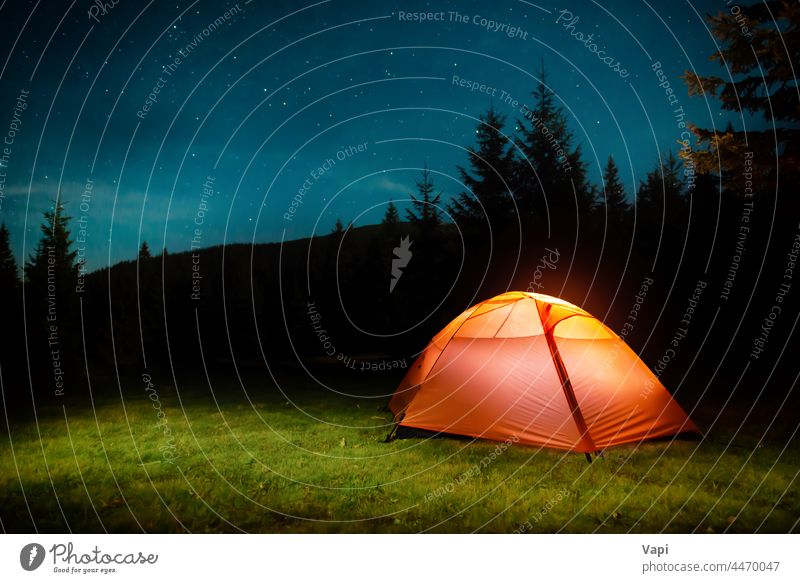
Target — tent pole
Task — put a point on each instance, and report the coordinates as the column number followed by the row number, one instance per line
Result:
column 566, row 384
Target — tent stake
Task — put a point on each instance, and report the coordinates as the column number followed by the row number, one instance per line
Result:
column 393, row 432
column 390, row 437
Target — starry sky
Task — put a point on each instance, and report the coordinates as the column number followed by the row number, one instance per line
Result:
column 209, row 122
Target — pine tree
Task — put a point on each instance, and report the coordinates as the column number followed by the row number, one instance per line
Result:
column 425, row 212
column 9, row 276
column 612, row 202
column 760, row 79
column 144, row 251
column 338, row 228
column 551, row 176
column 490, row 177
column 392, row 216
column 53, row 261
column 661, row 195
column 51, row 274
column 11, row 355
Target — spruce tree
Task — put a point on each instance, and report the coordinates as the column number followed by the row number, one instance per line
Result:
column 661, row 195
column 425, row 212
column 392, row 217
column 759, row 78
column 53, row 261
column 11, row 355
column 144, row 251
column 489, row 178
column 551, row 176
column 9, row 276
column 612, row 203
column 51, row 274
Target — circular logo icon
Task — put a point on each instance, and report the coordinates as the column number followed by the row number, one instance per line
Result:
column 31, row 556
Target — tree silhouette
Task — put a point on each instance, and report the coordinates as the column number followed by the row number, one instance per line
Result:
column 551, row 175
column 392, row 216
column 489, row 178
column 144, row 251
column 661, row 195
column 53, row 261
column 425, row 212
column 766, row 85
column 9, row 276
column 11, row 349
column 613, row 204
column 51, row 274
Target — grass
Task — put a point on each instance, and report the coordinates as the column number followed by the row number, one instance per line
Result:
column 319, row 464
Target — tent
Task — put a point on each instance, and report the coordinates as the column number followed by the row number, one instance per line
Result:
column 539, row 370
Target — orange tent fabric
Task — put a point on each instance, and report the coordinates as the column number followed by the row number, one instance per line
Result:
column 540, row 369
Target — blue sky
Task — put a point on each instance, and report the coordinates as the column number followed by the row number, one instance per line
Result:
column 273, row 90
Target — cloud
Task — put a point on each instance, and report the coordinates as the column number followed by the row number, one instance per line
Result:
column 392, row 186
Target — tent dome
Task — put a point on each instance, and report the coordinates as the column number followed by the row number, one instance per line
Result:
column 539, row 370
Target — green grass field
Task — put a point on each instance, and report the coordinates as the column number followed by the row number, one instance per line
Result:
column 319, row 464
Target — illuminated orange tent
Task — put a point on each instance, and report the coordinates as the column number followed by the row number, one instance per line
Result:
column 539, row 370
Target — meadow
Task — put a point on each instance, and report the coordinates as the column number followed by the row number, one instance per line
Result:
column 303, row 459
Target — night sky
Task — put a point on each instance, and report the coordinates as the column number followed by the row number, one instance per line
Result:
column 150, row 117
